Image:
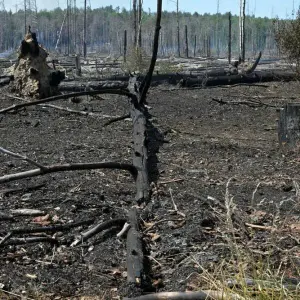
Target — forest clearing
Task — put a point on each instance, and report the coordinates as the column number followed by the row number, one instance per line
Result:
column 149, row 176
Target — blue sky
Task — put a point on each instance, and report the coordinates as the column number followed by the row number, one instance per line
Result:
column 269, row 8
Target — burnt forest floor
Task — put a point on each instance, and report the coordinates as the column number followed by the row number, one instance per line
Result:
column 218, row 169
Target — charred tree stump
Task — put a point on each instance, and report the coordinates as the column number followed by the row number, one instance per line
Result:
column 32, row 76
column 289, row 125
column 77, row 65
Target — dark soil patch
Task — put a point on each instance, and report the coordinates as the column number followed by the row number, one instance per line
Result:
column 207, row 146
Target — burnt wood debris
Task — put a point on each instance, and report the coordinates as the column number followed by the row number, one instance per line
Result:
column 33, row 78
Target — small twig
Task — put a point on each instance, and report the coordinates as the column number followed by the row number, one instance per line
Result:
column 174, row 204
column 22, row 157
column 6, row 192
column 161, row 221
column 55, row 228
column 124, row 230
column 27, row 212
column 15, row 295
column 260, row 227
column 171, row 181
column 253, row 194
column 30, row 240
column 5, row 238
column 70, row 167
column 79, row 112
column 116, row 119
column 98, row 228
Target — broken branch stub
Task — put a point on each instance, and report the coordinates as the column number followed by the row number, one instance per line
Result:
column 32, row 76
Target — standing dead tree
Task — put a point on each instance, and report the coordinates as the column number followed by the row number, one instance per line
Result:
column 242, row 30
column 229, row 37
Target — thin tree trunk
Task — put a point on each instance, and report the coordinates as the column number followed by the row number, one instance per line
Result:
column 125, row 45
column 195, row 45
column 178, row 30
column 242, row 29
column 218, row 30
column 68, row 27
column 74, row 27
column 186, row 42
column 140, row 23
column 25, row 17
column 229, row 37
column 134, row 23
column 84, row 31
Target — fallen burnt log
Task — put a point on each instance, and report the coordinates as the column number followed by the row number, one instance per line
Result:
column 76, row 86
column 135, row 256
column 236, row 79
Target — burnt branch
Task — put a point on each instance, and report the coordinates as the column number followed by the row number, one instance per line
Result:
column 253, row 67
column 116, row 119
column 30, row 240
column 98, row 228
column 65, row 96
column 5, row 151
column 147, row 81
column 55, row 228
column 70, row 167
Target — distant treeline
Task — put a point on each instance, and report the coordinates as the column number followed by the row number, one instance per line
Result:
column 105, row 31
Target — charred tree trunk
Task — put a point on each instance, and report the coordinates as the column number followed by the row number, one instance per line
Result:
column 84, row 31
column 195, row 45
column 134, row 22
column 178, row 29
column 186, row 42
column 125, row 45
column 140, row 24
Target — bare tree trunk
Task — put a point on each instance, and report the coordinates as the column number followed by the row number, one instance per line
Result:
column 134, row 23
column 140, row 23
column 208, row 54
column 218, row 30
column 242, row 29
column 125, row 45
column 186, row 42
column 25, row 17
column 84, row 31
column 74, row 27
column 229, row 37
column 68, row 27
column 178, row 30
column 195, row 45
